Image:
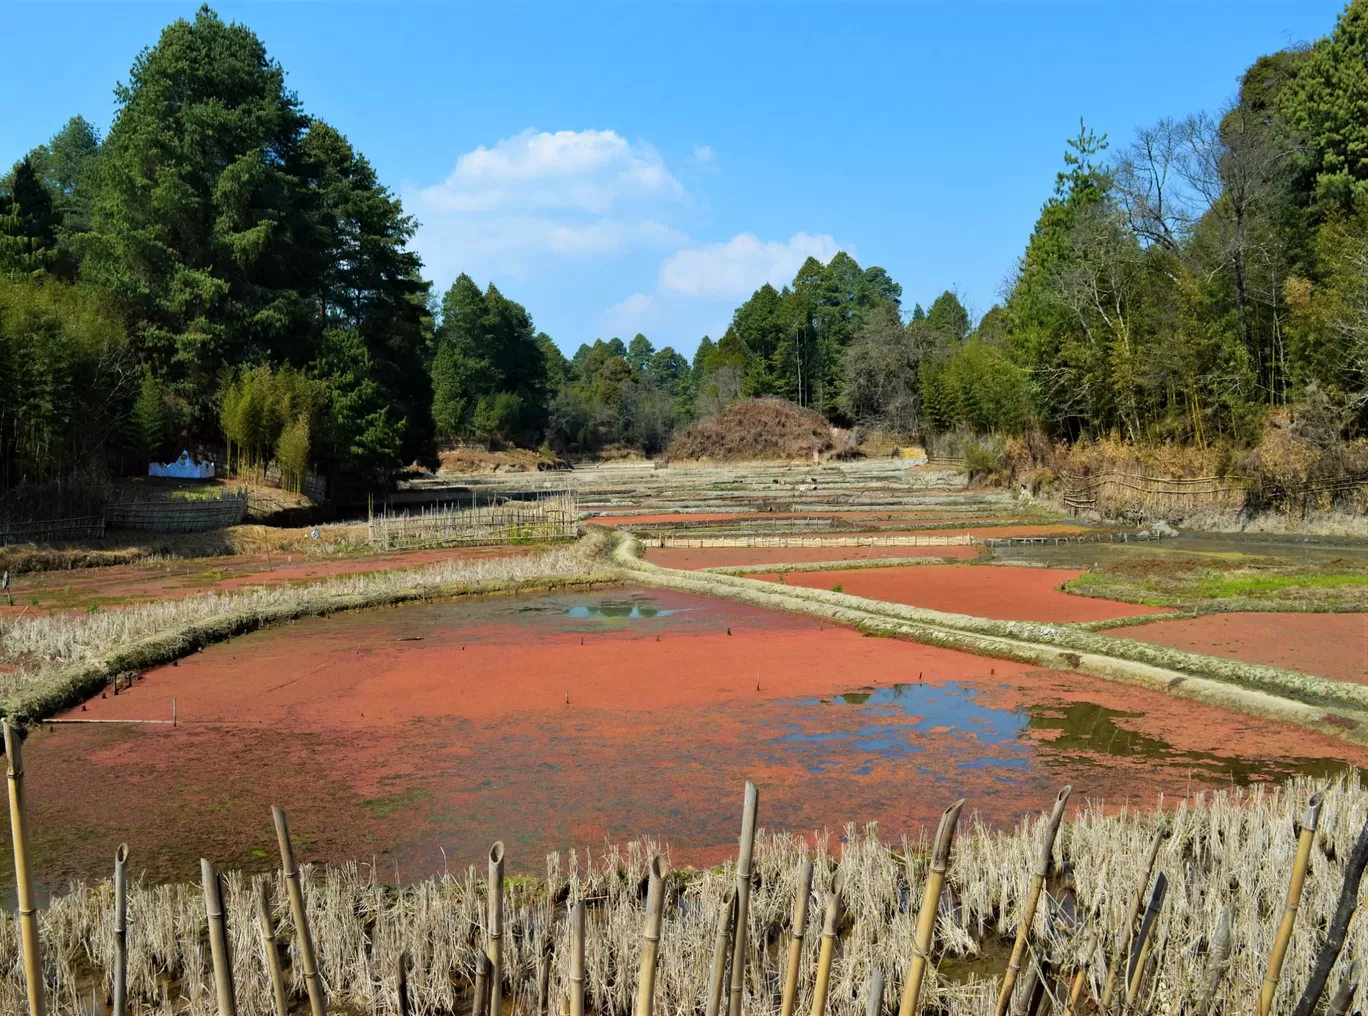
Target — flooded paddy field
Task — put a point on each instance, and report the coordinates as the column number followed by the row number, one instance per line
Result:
column 1329, row 645
column 411, row 738
column 691, row 558
column 1001, row 593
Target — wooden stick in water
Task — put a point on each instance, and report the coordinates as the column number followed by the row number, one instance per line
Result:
column 270, row 954
column 23, row 876
column 795, row 958
column 1080, row 977
column 650, row 937
column 1344, row 994
column 121, row 930
column 495, row 946
column 577, row 960
column 218, row 940
column 1294, row 893
column 930, row 906
column 318, row 1002
column 1009, row 978
column 743, row 887
column 477, row 1007
column 1218, row 959
column 401, row 979
column 830, row 926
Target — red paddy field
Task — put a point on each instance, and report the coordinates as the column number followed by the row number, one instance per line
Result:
column 132, row 583
column 414, row 737
column 1000, row 592
column 1331, row 645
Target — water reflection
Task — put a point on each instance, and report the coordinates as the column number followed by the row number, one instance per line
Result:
column 951, row 722
column 630, row 609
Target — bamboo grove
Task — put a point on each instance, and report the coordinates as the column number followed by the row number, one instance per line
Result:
column 1235, row 901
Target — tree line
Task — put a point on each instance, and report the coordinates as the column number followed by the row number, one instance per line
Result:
column 224, row 268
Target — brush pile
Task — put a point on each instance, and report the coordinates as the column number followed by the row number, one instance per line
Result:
column 756, row 430
column 1227, row 859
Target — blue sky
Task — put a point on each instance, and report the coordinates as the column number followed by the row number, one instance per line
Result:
column 624, row 168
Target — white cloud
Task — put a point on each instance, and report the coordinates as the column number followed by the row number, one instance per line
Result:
column 741, row 265
column 703, row 154
column 637, row 303
column 587, row 171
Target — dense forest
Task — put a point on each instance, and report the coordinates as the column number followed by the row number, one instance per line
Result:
column 223, row 270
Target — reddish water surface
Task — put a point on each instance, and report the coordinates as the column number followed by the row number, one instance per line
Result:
column 396, row 735
column 723, row 557
column 1332, row 645
column 1000, row 592
column 79, row 588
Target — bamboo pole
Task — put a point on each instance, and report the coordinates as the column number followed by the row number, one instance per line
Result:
column 544, row 978
column 218, row 939
column 1294, row 892
column 318, row 1001
column 926, row 918
column 1339, row 925
column 401, row 983
column 1080, row 977
column 1145, row 940
column 121, row 929
column 1127, row 930
column 495, row 933
column 650, row 937
column 477, row 1007
column 874, row 996
column 1218, row 959
column 721, row 964
column 1009, row 977
column 800, row 915
column 743, row 888
column 577, row 960
column 830, row 926
column 270, row 954
column 23, row 876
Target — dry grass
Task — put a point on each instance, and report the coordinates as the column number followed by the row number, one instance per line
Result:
column 1228, row 847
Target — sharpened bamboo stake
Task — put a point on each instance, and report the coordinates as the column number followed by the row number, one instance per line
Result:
column 650, row 937
column 1009, row 977
column 1294, row 893
column 721, row 964
column 121, row 930
column 1132, row 915
column 1145, row 939
column 830, row 926
column 23, row 876
column 743, row 887
column 874, row 996
column 318, row 1001
column 218, row 940
column 495, row 915
column 795, row 958
column 930, row 906
column 577, row 960
column 270, row 954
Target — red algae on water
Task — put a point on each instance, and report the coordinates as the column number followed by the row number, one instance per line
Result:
column 413, row 737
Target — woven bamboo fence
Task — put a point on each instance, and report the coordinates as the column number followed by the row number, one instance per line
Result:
column 1118, row 491
column 550, row 518
column 165, row 516
column 80, row 527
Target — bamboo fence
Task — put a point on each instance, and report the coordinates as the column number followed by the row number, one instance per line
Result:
column 1117, row 491
column 1241, row 891
column 78, row 527
column 550, row 518
column 168, row 516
